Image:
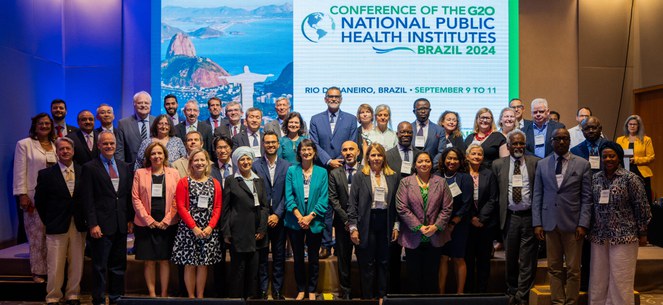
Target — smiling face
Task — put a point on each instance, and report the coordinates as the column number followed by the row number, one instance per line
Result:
column 142, row 105
column 423, row 164
column 333, row 99
column 307, row 153
column 245, row 163
column 157, row 156
column 422, row 110
column 234, row 113
column 193, row 141
column 223, row 151
column 294, row 124
column 163, row 128
column 485, row 122
column 404, row 134
column 508, row 120
column 540, row 114
column 171, row 106
column 610, row 160
column 282, row 108
column 475, row 157
column 633, row 127
column 517, row 145
column 65, row 152
column 44, row 127
column 106, row 144
column 375, row 159
column 349, row 151
column 450, row 122
column 86, row 121
column 518, row 107
column 199, row 163
column 191, row 112
column 105, row 115
column 271, row 144
column 382, row 119
column 253, row 120
column 451, row 162
column 58, row 111
column 214, row 108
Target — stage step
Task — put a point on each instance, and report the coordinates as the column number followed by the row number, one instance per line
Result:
column 540, row 295
column 21, row 288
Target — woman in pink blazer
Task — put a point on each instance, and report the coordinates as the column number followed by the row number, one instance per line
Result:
column 153, row 195
column 424, row 204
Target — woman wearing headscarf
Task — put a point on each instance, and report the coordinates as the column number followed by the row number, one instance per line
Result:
column 244, row 223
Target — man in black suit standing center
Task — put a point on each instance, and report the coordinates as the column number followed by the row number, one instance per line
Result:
column 106, row 196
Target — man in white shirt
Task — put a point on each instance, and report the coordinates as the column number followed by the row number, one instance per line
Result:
column 576, row 132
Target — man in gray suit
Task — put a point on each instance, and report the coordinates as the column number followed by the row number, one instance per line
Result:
column 561, row 214
column 191, row 123
column 282, row 110
column 515, row 177
column 134, row 129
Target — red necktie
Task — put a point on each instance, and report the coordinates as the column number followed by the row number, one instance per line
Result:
column 59, row 128
column 216, row 123
column 111, row 171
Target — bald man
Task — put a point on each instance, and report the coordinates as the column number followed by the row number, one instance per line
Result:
column 340, row 179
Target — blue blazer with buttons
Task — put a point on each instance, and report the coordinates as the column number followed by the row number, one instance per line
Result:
column 318, row 200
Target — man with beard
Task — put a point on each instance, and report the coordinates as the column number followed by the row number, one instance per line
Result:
column 191, row 111
column 215, row 120
column 515, row 178
column 426, row 133
column 340, row 179
column 85, row 139
column 171, row 105
column 401, row 157
column 59, row 112
column 273, row 172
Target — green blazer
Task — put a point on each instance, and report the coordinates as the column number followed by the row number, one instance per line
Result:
column 317, row 200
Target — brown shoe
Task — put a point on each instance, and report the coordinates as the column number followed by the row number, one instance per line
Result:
column 325, row 253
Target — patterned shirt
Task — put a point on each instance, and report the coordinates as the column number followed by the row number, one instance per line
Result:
column 625, row 217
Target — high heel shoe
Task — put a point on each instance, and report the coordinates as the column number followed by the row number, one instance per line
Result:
column 300, row 296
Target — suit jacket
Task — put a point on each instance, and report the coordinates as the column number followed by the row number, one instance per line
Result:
column 274, row 126
column 643, row 153
column 242, row 139
column 501, row 170
column 395, row 162
column 29, row 159
column 98, row 130
column 582, row 150
column 487, row 207
column 128, row 138
column 317, row 200
column 81, row 152
column 276, row 192
column 141, row 193
column 328, row 143
column 241, row 219
column 204, row 129
column 208, row 122
column 361, row 199
column 105, row 207
column 435, row 132
column 55, row 205
column 410, row 207
column 69, row 128
column 224, row 129
column 338, row 195
column 529, row 134
column 565, row 207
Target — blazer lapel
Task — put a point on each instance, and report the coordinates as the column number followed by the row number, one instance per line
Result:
column 368, row 186
column 431, row 133
column 245, row 187
column 77, row 173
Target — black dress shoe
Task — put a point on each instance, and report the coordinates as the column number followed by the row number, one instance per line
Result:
column 324, row 253
column 263, row 295
column 343, row 296
column 73, row 302
column 277, row 296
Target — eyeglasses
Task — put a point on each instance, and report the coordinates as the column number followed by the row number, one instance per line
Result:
column 518, row 107
column 485, row 118
column 333, row 96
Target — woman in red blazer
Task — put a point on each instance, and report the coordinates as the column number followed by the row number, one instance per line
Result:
column 153, row 194
column 197, row 243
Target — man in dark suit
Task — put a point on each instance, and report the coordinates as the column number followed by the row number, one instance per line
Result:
column 252, row 136
column 515, row 177
column 59, row 112
column 215, row 120
column 561, row 214
column 282, row 107
column 62, row 216
column 106, row 194
column 340, row 179
column 134, row 129
column 170, row 104
column 191, row 112
column 401, row 157
column 426, row 133
column 519, row 109
column 233, row 124
column 540, row 131
column 85, row 138
column 329, row 130
column 105, row 116
column 272, row 171
column 589, row 148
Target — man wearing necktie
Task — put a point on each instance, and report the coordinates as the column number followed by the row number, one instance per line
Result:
column 339, row 189
column 191, row 112
column 252, row 136
column 561, row 214
column 282, row 107
column 84, row 138
column 401, row 157
column 232, row 125
column 426, row 133
column 59, row 112
column 106, row 196
column 134, row 129
column 215, row 120
column 515, row 178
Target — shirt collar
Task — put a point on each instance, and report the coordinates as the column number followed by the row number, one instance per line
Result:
column 63, row 167
column 253, row 176
column 566, row 156
column 105, row 160
column 195, row 125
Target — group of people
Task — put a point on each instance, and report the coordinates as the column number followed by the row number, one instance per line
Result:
column 190, row 190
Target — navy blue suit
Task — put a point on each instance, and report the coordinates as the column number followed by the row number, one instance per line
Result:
column 582, row 150
column 435, row 132
column 275, row 190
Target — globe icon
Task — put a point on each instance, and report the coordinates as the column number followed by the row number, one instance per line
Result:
column 316, row 26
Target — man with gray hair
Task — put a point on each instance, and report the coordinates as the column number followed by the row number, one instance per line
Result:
column 515, row 178
column 134, row 129
column 282, row 106
column 540, row 131
column 191, row 123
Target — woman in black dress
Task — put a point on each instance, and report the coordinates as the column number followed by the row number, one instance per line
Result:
column 486, row 134
column 153, row 195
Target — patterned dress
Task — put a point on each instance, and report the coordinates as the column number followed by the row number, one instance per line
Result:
column 175, row 148
column 188, row 249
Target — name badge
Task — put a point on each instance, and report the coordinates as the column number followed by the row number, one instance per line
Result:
column 627, row 164
column 539, row 140
column 605, row 197
column 455, row 190
column 475, row 194
column 116, row 183
column 256, row 151
column 449, row 145
column 380, row 194
column 406, row 167
column 594, row 162
column 307, row 189
column 419, row 141
column 517, row 181
column 203, row 201
column 50, row 157
column 559, row 179
column 628, row 152
column 157, row 190
column 256, row 200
